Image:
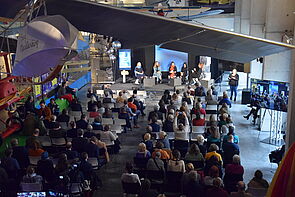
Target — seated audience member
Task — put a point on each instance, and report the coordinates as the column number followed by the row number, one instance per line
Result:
column 199, row 109
column 53, row 107
column 231, row 131
column 64, row 117
column 212, row 152
column 255, row 106
column 90, row 93
column 193, row 185
column 76, row 106
column 89, row 132
column 223, row 120
column 45, row 168
column 154, row 124
column 233, row 174
column 159, row 148
column 30, row 105
column 108, row 98
column 134, row 110
column 185, row 109
column 146, row 191
column 212, row 174
column 36, row 150
column 175, row 164
column 156, row 113
column 162, row 108
column 123, row 114
column 107, row 136
column 258, row 181
column 62, row 165
column 10, row 165
column 166, row 97
column 128, row 176
column 168, row 124
column 120, row 98
column 97, row 123
column 156, row 164
column 186, row 98
column 163, row 137
column 214, row 92
column 103, row 151
column 213, row 161
column 229, row 150
column 201, row 144
column 277, row 155
column 198, row 121
column 217, row 189
column 44, row 112
column 224, row 109
column 194, row 154
column 241, row 191
column 72, row 133
column 214, row 135
column 85, row 167
column 82, row 123
column 212, row 121
column 91, row 104
column 142, row 151
column 225, row 99
column 20, row 153
column 91, row 147
column 94, row 113
column 200, row 90
column 189, row 167
column 210, row 100
column 53, row 124
column 79, row 143
column 71, row 154
column 181, row 127
column 107, row 113
column 34, row 138
column 100, row 108
column 138, row 103
column 30, row 123
column 172, row 106
column 147, row 140
column 31, row 176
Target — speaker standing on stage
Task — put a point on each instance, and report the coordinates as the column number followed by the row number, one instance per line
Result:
column 233, row 83
column 172, row 70
column 157, row 72
column 184, row 73
column 139, row 73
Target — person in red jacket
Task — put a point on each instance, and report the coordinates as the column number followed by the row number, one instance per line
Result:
column 198, row 121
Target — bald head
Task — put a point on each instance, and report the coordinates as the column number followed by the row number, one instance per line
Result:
column 241, row 186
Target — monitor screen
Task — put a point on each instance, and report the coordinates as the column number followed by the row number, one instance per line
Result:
column 125, row 59
column 166, row 56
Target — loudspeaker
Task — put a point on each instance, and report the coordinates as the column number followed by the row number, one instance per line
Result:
column 246, row 96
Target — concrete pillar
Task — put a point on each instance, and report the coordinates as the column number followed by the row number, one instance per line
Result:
column 257, row 17
column 237, row 23
column 279, row 17
column 245, row 16
column 291, row 106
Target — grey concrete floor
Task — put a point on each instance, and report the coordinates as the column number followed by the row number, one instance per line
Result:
column 254, row 154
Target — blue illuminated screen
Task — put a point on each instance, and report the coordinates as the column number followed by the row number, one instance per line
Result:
column 166, row 56
column 125, row 59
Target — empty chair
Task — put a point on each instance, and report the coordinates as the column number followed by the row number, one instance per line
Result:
column 119, row 105
column 34, row 160
column 31, row 187
column 64, row 125
column 108, row 105
column 121, row 122
column 257, row 192
column 76, row 115
column 100, row 93
column 94, row 162
column 91, row 120
column 75, row 188
column 198, row 129
column 181, row 136
column 116, row 128
column 45, row 141
column 131, row 188
column 58, row 141
column 108, row 121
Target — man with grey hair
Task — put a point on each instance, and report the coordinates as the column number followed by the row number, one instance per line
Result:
column 233, row 173
column 156, row 113
column 168, row 124
column 241, row 191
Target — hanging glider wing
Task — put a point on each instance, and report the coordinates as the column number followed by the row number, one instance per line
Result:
column 43, row 43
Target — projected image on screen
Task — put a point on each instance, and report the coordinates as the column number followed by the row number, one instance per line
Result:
column 166, row 56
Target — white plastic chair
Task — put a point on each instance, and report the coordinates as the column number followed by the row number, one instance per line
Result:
column 58, row 141
column 34, row 160
column 94, row 162
column 63, row 125
column 107, row 121
column 31, row 187
column 120, row 122
column 198, row 129
column 116, row 128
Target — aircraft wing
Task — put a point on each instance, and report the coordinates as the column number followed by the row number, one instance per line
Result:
column 135, row 30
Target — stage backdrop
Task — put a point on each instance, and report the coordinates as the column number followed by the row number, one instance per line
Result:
column 166, row 56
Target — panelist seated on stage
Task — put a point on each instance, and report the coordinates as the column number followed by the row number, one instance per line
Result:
column 157, row 72
column 138, row 72
column 172, row 71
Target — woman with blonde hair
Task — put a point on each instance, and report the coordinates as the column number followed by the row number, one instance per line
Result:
column 214, row 136
column 157, row 72
column 210, row 99
column 142, row 151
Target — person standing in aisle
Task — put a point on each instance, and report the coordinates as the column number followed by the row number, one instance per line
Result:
column 233, row 83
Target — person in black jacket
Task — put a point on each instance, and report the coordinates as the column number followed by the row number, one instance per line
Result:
column 168, row 124
column 79, row 143
column 82, row 123
column 233, row 83
column 45, row 168
column 20, row 153
column 71, row 154
column 85, row 166
column 91, row 148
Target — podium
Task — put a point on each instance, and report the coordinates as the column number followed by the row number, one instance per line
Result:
column 149, row 82
column 175, row 82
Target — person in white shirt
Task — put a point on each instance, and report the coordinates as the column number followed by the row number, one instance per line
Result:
column 128, row 176
column 176, row 164
column 179, row 126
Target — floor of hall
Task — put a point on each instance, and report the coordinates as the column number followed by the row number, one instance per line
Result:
column 254, row 154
